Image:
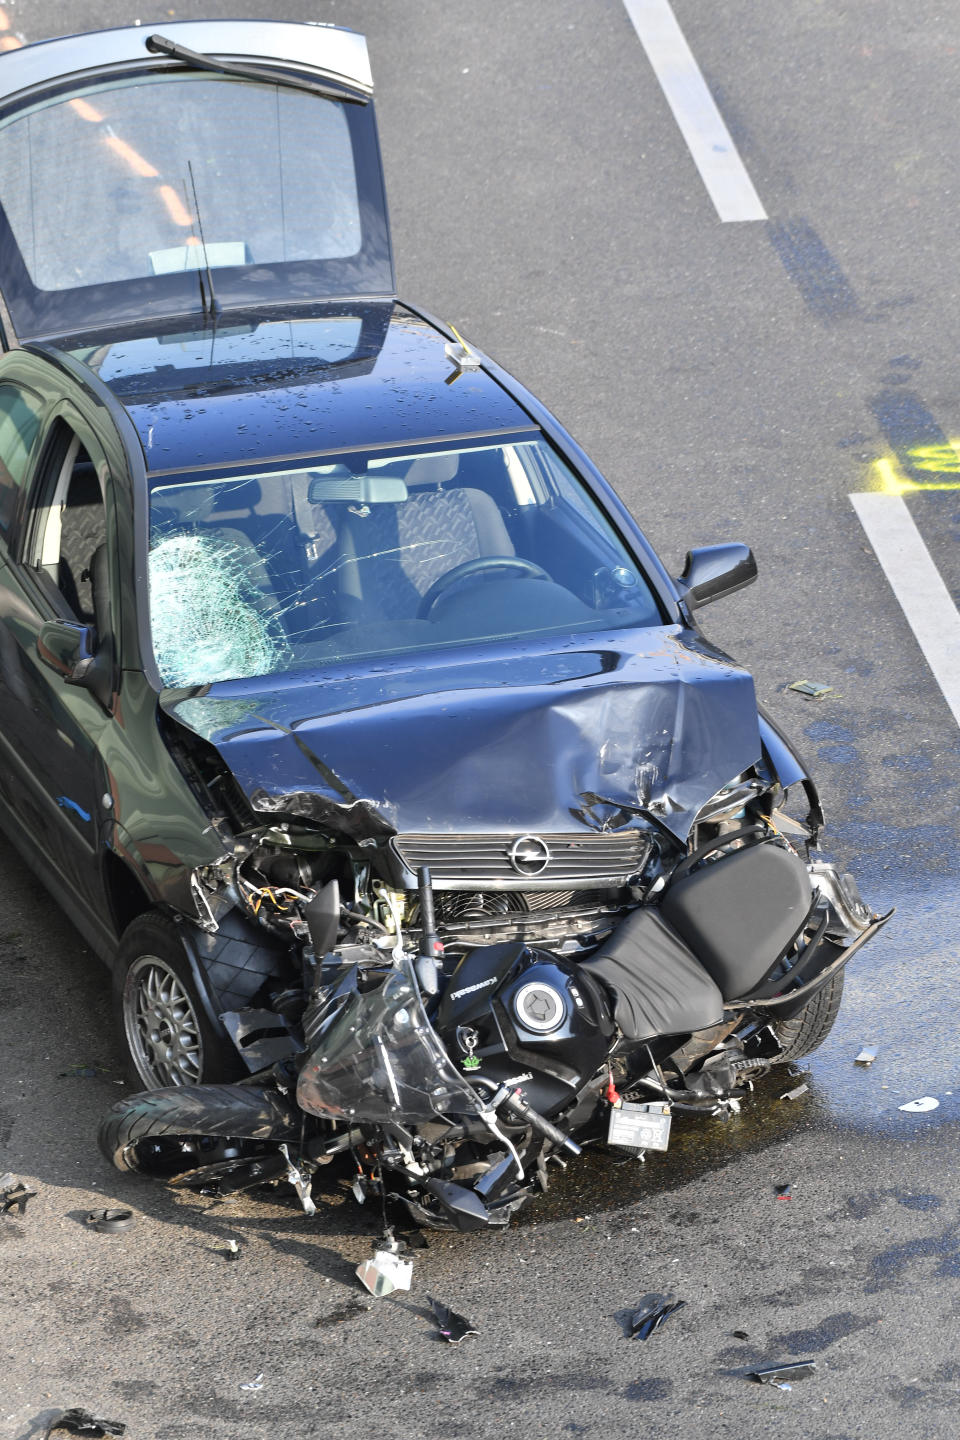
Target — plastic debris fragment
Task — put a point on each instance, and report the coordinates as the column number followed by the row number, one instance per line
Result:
column 783, row 1192
column 81, row 1072
column 232, row 1251
column 867, row 1055
column 918, row 1107
column 385, row 1273
column 110, row 1222
column 14, row 1195
column 782, row 1375
column 452, row 1327
column 741, row 1335
column 81, row 1422
column 795, row 1093
column 255, row 1384
column 813, row 689
column 653, row 1311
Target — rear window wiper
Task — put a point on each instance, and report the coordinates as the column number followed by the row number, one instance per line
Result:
column 160, row 45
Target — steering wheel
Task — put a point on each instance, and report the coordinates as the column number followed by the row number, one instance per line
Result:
column 484, row 567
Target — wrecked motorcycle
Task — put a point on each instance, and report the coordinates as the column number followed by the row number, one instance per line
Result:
column 451, row 1078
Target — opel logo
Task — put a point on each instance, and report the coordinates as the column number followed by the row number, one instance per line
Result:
column 529, row 855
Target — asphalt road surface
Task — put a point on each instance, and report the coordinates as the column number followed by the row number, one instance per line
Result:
column 735, row 380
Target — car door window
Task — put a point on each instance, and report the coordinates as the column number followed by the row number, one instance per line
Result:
column 19, row 424
column 68, row 540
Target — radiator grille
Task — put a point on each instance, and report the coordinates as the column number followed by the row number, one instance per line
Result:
column 526, row 862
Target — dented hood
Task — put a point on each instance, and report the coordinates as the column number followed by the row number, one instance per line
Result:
column 517, row 740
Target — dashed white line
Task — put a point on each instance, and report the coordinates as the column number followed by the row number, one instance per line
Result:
column 917, row 584
column 701, row 124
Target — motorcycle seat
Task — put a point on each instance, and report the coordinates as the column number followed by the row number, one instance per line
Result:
column 658, row 985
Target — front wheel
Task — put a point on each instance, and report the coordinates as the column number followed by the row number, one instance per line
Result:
column 163, row 1026
column 165, row 1132
column 806, row 1031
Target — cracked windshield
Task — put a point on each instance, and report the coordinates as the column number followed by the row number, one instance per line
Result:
column 380, row 554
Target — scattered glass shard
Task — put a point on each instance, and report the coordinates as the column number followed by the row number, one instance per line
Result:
column 255, row 1384
column 796, row 1093
column 918, row 1107
column 781, row 1375
column 653, row 1311
column 452, row 1327
column 867, row 1055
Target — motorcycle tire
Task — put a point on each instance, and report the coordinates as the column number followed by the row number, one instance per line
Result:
column 806, row 1031
column 132, row 1132
column 161, row 1021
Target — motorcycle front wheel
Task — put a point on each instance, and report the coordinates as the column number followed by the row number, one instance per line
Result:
column 163, row 1132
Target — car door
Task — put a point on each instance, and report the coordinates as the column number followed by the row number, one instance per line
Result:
column 203, row 168
column 51, row 732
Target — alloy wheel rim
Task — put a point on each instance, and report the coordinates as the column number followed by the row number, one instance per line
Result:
column 161, row 1025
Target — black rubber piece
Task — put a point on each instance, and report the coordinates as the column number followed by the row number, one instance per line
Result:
column 806, row 1031
column 236, row 1112
column 111, row 1222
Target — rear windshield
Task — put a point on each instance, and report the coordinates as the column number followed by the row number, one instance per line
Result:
column 141, row 184
column 373, row 555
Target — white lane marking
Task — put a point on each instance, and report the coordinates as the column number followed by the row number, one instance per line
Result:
column 918, row 586
column 700, row 122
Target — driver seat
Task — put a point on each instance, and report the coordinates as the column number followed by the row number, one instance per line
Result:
column 391, row 554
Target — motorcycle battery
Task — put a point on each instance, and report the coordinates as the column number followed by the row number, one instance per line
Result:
column 639, row 1127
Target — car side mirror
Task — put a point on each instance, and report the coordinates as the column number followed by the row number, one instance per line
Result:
column 713, row 571
column 67, row 648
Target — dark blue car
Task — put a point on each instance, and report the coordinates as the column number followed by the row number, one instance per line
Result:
column 297, row 586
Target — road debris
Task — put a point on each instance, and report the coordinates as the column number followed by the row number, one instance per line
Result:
column 14, row 1195
column 813, row 690
column 82, row 1072
column 783, row 1192
column 919, row 1107
column 782, row 1375
column 232, row 1251
column 81, row 1422
column 867, row 1055
column 110, row 1222
column 795, row 1093
column 385, row 1273
column 452, row 1327
column 651, row 1313
column 255, row 1384
column 741, row 1334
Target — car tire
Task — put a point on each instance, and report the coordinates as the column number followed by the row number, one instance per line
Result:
column 806, row 1031
column 149, row 1133
column 163, row 1027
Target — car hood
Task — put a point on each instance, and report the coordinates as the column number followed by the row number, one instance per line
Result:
column 597, row 735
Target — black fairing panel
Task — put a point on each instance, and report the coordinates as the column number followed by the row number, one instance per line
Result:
column 739, row 914
column 659, row 987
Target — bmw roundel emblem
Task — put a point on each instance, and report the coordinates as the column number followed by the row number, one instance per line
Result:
column 529, row 855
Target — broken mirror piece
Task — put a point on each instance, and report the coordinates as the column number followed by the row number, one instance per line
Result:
column 782, row 1375
column 812, row 689
column 255, row 1384
column 867, row 1055
column 452, row 1327
column 15, row 1196
column 652, row 1312
column 110, row 1222
column 81, row 1422
column 918, row 1107
column 783, row 1192
column 795, row 1093
column 385, row 1273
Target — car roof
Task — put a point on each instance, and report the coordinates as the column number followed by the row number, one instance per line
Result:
column 342, row 377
